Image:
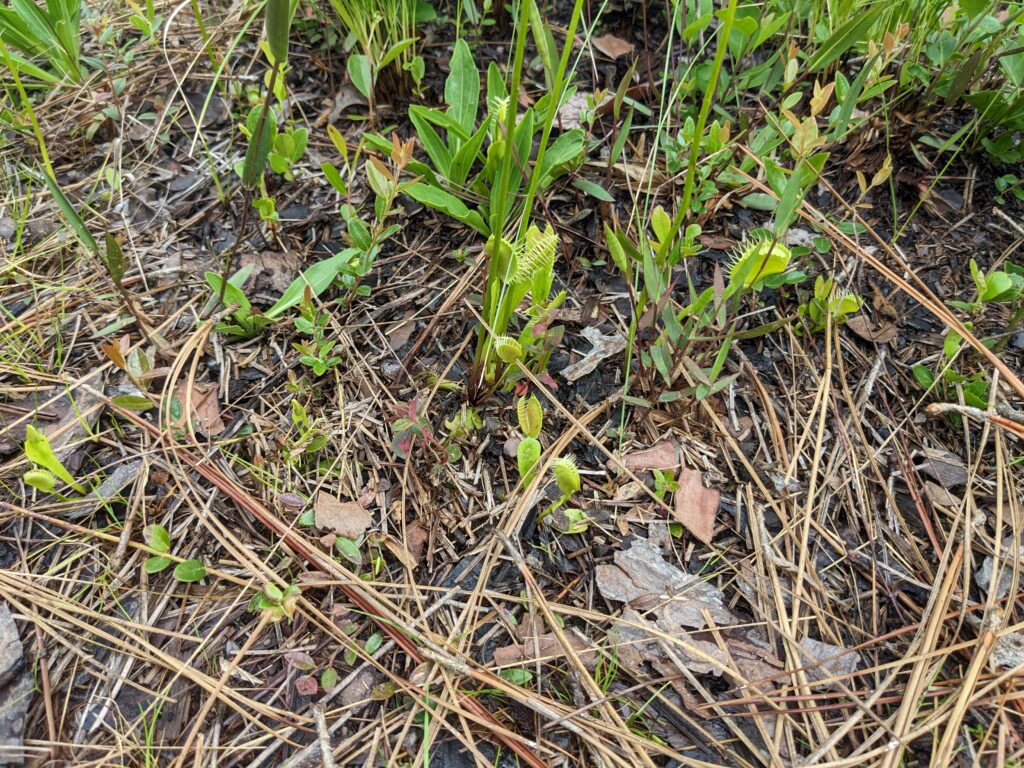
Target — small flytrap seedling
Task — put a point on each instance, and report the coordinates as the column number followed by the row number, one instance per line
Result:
column 530, row 415
column 47, row 467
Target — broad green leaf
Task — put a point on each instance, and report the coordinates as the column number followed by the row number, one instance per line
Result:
column 924, row 376
column 462, row 88
column 157, row 537
column 156, row 564
column 373, row 643
column 593, row 189
column 438, row 152
column 189, row 571
column 114, row 259
column 349, row 549
column 851, row 33
column 447, row 203
column 333, row 176
column 359, row 72
column 467, row 153
column 395, row 51
column 132, row 402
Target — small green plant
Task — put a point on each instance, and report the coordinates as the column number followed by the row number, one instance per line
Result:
column 409, row 426
column 48, row 468
column 385, row 33
column 315, row 352
column 664, row 483
column 531, row 421
column 950, row 384
column 464, row 423
column 828, row 301
column 1004, row 286
column 276, row 603
column 159, row 540
column 289, row 147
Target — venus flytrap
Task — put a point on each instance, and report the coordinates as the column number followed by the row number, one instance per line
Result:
column 828, row 301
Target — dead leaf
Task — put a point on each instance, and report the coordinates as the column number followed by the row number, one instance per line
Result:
column 398, row 549
column 695, row 506
column 204, row 411
column 272, row 269
column 612, row 46
column 824, row 660
column 661, row 456
column 344, row 518
column 717, row 242
column 642, row 578
column 416, row 539
column 880, row 333
column 65, row 421
column 940, row 495
column 1008, row 651
column 881, row 303
column 543, row 647
column 603, row 347
column 400, row 333
column 945, row 467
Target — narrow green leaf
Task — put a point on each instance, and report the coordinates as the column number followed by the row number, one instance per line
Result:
column 71, row 215
column 279, row 22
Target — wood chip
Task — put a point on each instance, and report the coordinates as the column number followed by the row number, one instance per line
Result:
column 603, row 347
column 661, row 456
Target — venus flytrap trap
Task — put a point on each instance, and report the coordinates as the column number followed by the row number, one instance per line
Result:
column 48, row 467
column 531, row 421
column 826, row 302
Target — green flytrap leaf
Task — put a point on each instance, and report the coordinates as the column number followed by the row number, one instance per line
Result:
column 39, row 451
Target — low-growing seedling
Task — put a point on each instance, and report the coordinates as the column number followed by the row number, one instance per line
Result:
column 314, row 352
column 48, row 468
column 276, row 603
column 159, row 540
column 828, row 301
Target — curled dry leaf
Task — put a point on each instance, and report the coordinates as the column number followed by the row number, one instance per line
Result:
column 879, row 333
column 344, row 518
column 695, row 506
column 603, row 347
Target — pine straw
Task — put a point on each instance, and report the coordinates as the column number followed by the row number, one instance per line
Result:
column 818, row 537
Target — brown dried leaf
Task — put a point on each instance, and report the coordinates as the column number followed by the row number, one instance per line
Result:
column 879, row 333
column 695, row 506
column 344, row 518
column 416, row 539
column 642, row 578
column 612, row 46
column 543, row 647
column 201, row 403
column 662, row 456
